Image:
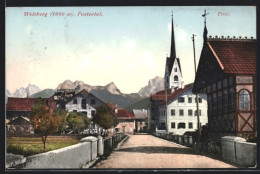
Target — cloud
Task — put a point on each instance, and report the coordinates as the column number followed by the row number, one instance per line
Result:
column 181, row 34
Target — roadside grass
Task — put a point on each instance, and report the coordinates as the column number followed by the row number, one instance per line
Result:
column 28, row 146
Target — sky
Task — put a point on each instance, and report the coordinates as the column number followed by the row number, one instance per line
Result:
column 126, row 45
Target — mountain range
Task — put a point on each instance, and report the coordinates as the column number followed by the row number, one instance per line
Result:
column 108, row 93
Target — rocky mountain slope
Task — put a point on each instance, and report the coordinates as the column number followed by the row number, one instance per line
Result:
column 68, row 84
column 24, row 92
column 154, row 85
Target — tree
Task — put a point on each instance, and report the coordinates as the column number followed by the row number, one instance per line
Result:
column 44, row 121
column 63, row 115
column 78, row 121
column 105, row 117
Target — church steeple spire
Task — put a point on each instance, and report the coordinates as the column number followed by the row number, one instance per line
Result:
column 205, row 33
column 173, row 50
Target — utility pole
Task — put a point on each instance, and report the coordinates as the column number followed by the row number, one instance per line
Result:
column 197, row 101
column 166, row 121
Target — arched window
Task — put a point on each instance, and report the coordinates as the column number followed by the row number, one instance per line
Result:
column 176, row 78
column 244, row 100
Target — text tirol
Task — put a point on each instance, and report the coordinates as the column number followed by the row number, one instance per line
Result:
column 90, row 14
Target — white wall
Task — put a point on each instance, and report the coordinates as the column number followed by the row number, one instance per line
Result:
column 174, row 104
column 70, row 106
column 178, row 73
column 74, row 156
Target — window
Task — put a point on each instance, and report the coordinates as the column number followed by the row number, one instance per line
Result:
column 181, row 113
column 181, row 100
column 244, row 100
column 173, row 125
column 214, row 103
column 232, row 100
column 175, row 78
column 219, row 102
column 162, row 126
column 200, row 100
column 190, row 125
column 74, row 111
column 209, row 103
column 225, row 98
column 93, row 112
column 190, row 99
column 190, row 112
column 75, row 101
column 85, row 113
column 181, row 125
column 195, row 113
column 172, row 112
column 93, row 101
column 175, row 69
column 83, row 104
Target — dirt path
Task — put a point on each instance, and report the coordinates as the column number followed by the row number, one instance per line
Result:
column 146, row 151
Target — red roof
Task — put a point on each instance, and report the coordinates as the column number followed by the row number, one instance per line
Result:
column 112, row 106
column 176, row 93
column 161, row 94
column 24, row 104
column 235, row 57
column 124, row 114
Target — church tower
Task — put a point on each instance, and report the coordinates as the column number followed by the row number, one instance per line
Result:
column 173, row 74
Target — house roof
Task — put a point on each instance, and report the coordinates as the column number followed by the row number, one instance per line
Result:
column 140, row 113
column 235, row 56
column 112, row 106
column 22, row 104
column 124, row 114
column 83, row 93
column 20, row 121
column 177, row 92
column 161, row 95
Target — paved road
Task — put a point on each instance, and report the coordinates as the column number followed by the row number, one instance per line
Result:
column 146, row 151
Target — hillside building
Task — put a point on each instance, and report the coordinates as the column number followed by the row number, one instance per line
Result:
column 83, row 102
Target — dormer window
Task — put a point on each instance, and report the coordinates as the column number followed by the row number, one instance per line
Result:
column 175, row 78
column 75, row 101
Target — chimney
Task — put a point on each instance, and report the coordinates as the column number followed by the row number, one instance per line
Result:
column 172, row 90
column 116, row 109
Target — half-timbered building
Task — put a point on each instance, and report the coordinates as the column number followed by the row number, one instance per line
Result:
column 227, row 74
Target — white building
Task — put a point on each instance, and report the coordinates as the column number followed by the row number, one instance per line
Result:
column 83, row 102
column 182, row 111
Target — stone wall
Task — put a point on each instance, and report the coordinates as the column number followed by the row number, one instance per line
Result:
column 238, row 151
column 73, row 157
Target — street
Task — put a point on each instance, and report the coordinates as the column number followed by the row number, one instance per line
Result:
column 147, row 151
